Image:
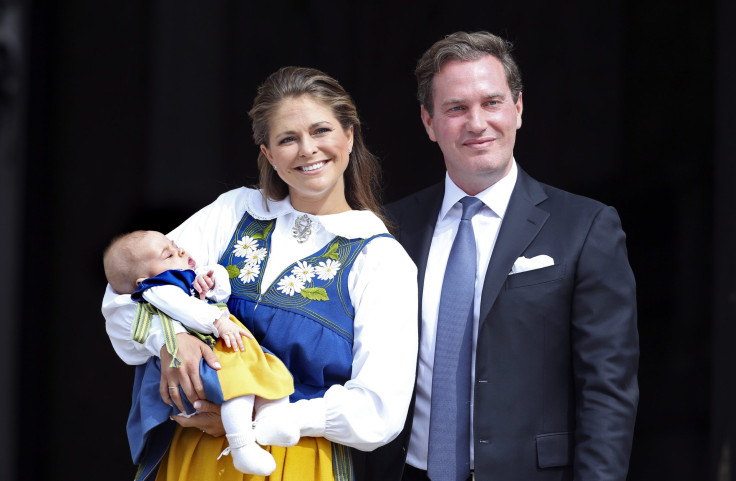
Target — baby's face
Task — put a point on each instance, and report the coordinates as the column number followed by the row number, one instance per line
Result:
column 158, row 254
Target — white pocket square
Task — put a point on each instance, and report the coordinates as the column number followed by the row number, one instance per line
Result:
column 523, row 264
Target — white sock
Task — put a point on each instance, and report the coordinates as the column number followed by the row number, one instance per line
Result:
column 248, row 457
column 275, row 423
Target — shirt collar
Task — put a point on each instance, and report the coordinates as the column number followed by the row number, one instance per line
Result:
column 353, row 224
column 496, row 197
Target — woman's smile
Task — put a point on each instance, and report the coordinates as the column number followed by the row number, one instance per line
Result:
column 310, row 150
column 312, row 167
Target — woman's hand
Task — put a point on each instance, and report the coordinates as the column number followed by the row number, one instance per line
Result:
column 207, row 419
column 191, row 350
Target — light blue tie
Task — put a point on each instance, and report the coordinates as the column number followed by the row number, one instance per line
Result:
column 449, row 423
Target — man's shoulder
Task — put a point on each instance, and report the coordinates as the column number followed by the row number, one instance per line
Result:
column 557, row 198
column 560, row 195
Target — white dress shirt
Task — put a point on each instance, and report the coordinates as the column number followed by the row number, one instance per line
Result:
column 368, row 410
column 486, row 225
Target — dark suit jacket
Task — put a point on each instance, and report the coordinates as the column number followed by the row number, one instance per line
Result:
column 555, row 381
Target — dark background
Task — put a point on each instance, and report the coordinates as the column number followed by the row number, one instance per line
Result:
column 117, row 115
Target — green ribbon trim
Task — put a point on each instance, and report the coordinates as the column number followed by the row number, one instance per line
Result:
column 142, row 327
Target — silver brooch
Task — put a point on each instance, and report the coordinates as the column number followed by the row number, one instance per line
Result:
column 302, row 228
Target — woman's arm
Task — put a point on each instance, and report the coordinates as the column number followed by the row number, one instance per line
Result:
column 191, row 350
column 119, row 312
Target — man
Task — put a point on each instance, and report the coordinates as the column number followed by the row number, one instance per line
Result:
column 548, row 389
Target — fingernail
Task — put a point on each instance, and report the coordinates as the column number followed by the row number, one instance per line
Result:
column 197, row 404
column 217, row 365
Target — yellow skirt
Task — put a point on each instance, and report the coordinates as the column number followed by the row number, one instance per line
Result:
column 251, row 371
column 193, row 454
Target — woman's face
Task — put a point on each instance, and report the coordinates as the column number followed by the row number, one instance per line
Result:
column 310, row 151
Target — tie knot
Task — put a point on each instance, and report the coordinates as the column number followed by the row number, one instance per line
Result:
column 471, row 206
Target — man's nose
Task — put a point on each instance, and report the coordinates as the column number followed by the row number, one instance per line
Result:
column 475, row 120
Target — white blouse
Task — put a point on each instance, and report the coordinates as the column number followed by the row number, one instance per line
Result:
column 370, row 409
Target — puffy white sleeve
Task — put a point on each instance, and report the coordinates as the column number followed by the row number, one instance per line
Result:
column 370, row 409
column 188, row 310
column 119, row 313
column 205, row 235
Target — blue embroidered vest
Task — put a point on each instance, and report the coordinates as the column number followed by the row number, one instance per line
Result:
column 305, row 317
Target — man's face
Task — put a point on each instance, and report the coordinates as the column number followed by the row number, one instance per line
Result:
column 474, row 121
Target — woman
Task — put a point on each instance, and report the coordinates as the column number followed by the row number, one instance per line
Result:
column 315, row 277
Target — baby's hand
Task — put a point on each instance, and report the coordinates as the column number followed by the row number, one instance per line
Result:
column 203, row 283
column 231, row 333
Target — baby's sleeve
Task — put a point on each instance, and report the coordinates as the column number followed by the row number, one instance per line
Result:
column 191, row 311
column 221, row 292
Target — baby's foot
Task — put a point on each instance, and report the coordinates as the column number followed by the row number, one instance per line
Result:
column 249, row 457
column 277, row 428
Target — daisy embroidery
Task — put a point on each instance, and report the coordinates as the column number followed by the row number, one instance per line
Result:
column 245, row 245
column 255, row 256
column 290, row 284
column 304, row 271
column 327, row 270
column 249, row 272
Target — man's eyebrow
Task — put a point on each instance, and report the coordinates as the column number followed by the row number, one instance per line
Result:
column 461, row 100
column 453, row 101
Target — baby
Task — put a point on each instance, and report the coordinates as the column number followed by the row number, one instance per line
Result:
column 153, row 269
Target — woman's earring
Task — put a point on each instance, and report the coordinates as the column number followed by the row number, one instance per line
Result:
column 350, row 150
column 274, row 166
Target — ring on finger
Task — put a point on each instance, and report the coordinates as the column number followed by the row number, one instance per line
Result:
column 173, row 387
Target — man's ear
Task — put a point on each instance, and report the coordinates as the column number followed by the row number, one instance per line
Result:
column 139, row 280
column 427, row 121
column 519, row 109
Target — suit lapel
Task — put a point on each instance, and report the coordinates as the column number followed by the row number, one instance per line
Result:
column 521, row 224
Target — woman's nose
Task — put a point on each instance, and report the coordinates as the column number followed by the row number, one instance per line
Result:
column 307, row 147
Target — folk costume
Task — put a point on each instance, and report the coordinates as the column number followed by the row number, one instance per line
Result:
column 248, row 372
column 331, row 296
